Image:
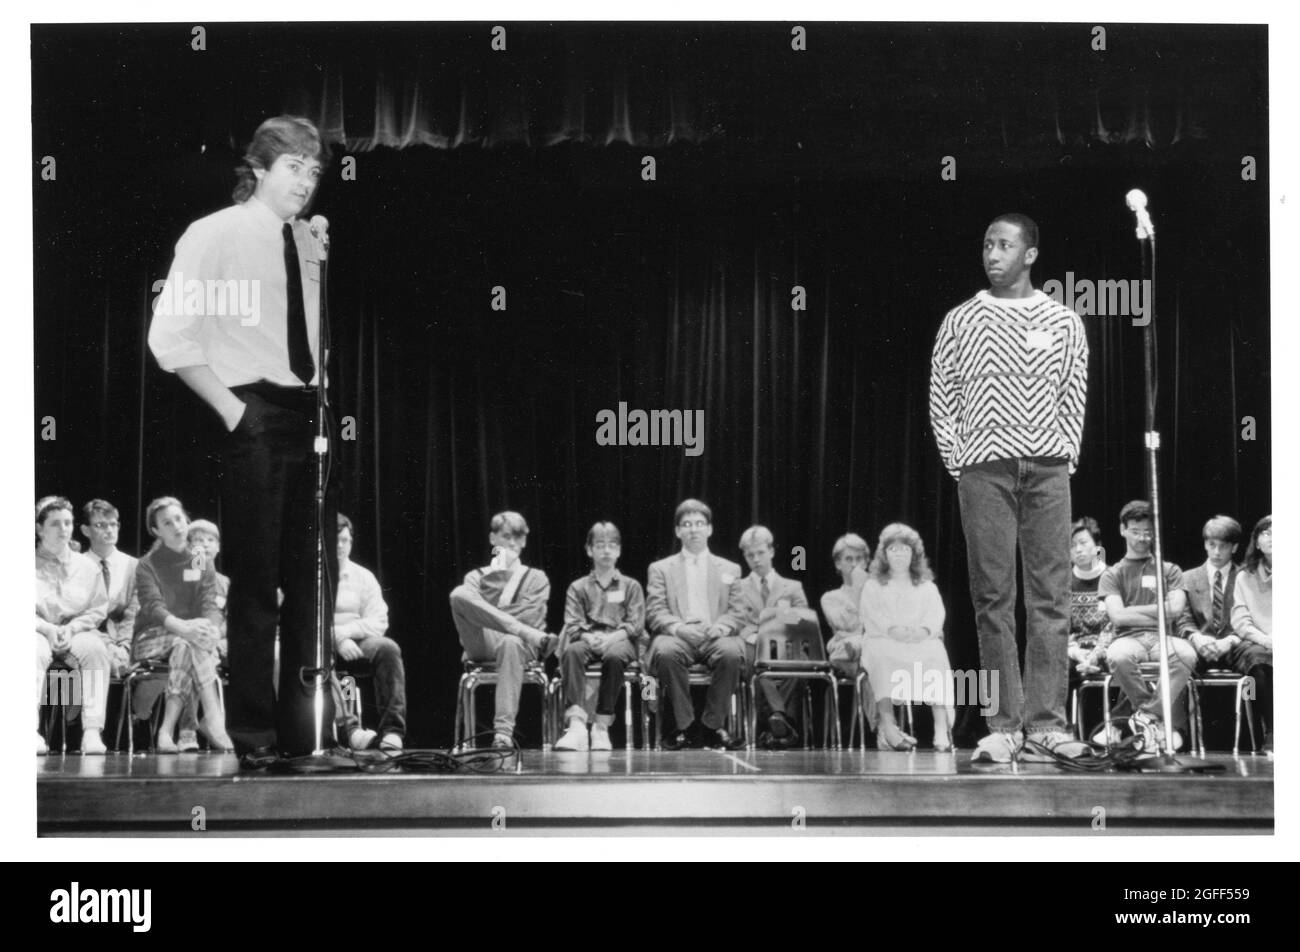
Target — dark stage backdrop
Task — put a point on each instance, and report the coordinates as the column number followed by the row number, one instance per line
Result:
column 673, row 294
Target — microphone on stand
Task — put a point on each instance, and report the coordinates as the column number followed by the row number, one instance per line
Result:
column 320, row 229
column 1137, row 202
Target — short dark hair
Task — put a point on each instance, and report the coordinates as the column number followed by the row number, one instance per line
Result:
column 1135, row 511
column 157, row 506
column 346, row 523
column 1028, row 227
column 606, row 530
column 277, row 136
column 98, row 506
column 688, row 506
column 1222, row 528
column 1086, row 524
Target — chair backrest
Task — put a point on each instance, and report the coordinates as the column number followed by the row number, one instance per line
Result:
column 789, row 639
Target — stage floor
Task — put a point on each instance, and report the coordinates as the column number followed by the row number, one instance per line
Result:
column 651, row 793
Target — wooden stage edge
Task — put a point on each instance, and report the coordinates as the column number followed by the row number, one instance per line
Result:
column 651, row 793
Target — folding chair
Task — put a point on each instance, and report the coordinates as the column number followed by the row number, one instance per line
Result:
column 479, row 674
column 634, row 681
column 789, row 646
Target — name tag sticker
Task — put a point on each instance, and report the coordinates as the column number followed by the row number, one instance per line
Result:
column 191, row 575
column 1038, row 340
column 783, row 603
column 614, row 597
column 727, row 578
column 1148, row 581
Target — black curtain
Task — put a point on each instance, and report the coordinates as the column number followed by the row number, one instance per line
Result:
column 671, row 294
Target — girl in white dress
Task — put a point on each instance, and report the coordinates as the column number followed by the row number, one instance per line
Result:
column 903, row 652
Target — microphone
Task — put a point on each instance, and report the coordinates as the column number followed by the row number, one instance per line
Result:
column 1137, row 202
column 320, row 228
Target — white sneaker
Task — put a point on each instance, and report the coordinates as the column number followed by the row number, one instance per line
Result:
column 187, row 741
column 41, row 746
column 1108, row 736
column 600, row 737
column 999, row 747
column 92, row 743
column 392, row 742
column 361, row 738
column 1150, row 730
column 575, row 738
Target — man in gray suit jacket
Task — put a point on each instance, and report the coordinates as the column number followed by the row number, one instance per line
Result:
column 686, row 595
column 1206, row 622
column 763, row 588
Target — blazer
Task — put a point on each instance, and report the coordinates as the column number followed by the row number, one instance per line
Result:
column 665, row 600
column 746, row 603
column 1200, row 601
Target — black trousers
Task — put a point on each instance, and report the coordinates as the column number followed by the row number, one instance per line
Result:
column 268, row 491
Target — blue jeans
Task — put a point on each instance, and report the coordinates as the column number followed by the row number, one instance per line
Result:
column 1027, row 502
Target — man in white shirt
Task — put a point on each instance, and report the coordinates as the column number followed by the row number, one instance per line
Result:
column 239, row 322
column 100, row 525
column 360, row 621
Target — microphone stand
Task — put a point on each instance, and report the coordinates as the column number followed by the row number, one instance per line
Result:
column 321, row 671
column 1167, row 761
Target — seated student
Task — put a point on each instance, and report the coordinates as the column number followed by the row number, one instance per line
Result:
column 100, row 525
column 902, row 615
column 840, row 606
column 1128, row 590
column 179, row 622
column 500, row 612
column 1252, row 622
column 604, row 617
column 360, row 620
column 763, row 588
column 1087, row 613
column 71, row 604
column 686, row 595
column 203, row 537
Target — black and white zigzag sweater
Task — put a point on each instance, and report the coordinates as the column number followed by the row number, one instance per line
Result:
column 1008, row 379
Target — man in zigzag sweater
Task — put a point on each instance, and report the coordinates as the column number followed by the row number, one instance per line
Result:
column 1008, row 383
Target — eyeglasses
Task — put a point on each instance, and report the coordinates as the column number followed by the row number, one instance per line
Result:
column 693, row 525
column 105, row 525
column 1141, row 533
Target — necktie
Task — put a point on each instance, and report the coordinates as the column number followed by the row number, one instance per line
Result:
column 763, row 589
column 1217, row 610
column 300, row 361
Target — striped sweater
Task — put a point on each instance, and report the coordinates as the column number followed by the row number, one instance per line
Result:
column 1008, row 379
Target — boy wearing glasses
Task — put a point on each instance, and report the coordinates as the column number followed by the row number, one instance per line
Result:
column 604, row 618
column 100, row 527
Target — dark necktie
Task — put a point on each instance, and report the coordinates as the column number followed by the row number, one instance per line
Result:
column 300, row 361
column 763, row 588
column 103, row 564
column 1217, row 610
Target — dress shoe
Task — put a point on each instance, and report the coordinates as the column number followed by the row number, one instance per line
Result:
column 677, row 741
column 782, row 730
column 723, row 738
column 258, row 758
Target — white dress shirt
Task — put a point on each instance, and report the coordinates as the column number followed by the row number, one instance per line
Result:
column 242, row 335
column 697, row 586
